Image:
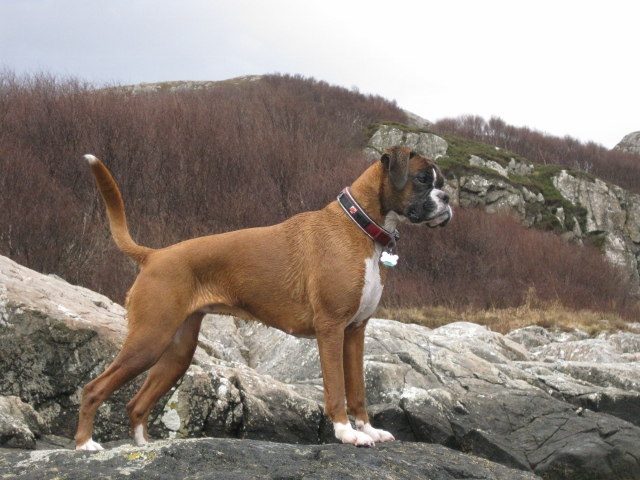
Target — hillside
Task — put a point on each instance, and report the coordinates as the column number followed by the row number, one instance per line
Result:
column 619, row 166
column 250, row 152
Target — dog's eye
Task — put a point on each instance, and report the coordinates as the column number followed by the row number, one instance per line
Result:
column 423, row 179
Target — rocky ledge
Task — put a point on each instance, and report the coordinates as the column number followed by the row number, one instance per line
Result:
column 240, row 459
column 559, row 405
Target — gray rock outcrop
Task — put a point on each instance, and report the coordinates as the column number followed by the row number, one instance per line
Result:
column 592, row 208
column 559, row 405
column 425, row 144
column 20, row 424
column 55, row 337
column 611, row 212
column 241, row 459
column 417, row 121
column 630, row 143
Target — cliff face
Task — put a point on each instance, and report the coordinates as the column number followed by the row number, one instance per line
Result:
column 574, row 203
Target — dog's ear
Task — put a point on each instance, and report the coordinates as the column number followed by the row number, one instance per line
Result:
column 396, row 161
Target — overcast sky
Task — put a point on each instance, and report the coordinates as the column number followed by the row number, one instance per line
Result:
column 562, row 67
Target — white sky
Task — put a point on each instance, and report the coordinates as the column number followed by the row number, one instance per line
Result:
column 562, row 67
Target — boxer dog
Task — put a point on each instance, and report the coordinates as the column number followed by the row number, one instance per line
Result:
column 318, row 274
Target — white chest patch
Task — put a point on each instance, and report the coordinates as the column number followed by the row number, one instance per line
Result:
column 372, row 290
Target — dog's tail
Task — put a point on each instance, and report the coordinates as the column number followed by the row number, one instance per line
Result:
column 115, row 211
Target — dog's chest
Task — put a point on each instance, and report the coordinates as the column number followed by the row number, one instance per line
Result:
column 372, row 289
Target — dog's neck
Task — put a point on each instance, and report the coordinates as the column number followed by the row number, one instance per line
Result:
column 367, row 194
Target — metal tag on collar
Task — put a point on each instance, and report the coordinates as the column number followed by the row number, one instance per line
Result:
column 388, row 258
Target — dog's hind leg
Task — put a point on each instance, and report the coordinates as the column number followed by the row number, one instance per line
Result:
column 163, row 375
column 152, row 326
column 136, row 356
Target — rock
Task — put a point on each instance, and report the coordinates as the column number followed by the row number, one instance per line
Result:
column 494, row 195
column 468, row 388
column 519, row 168
column 223, row 458
column 417, row 121
column 490, row 164
column 56, row 337
column 592, row 350
column 427, row 144
column 612, row 214
column 534, row 336
column 599, row 374
column 557, row 404
column 610, row 211
column 604, row 212
column 607, row 348
column 20, row 424
column 630, row 143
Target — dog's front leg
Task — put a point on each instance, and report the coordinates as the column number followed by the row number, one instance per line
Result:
column 330, row 345
column 355, row 385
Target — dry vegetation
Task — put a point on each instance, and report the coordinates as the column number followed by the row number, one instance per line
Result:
column 246, row 154
column 550, row 315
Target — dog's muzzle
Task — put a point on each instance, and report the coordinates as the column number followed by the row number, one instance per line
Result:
column 441, row 219
column 443, row 212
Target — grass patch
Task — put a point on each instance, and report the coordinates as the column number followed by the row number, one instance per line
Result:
column 550, row 315
column 461, row 149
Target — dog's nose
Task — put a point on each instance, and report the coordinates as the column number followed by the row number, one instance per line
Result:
column 443, row 196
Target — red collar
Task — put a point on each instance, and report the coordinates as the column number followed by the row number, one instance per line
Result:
column 359, row 216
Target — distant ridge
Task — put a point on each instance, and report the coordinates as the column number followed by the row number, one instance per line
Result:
column 181, row 85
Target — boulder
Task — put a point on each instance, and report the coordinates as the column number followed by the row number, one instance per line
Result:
column 56, row 337
column 492, row 194
column 20, row 424
column 416, row 121
column 476, row 161
column 604, row 212
column 630, row 143
column 557, row 404
column 427, row 144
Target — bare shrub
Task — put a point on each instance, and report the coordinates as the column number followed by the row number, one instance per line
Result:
column 192, row 163
column 491, row 261
column 188, row 164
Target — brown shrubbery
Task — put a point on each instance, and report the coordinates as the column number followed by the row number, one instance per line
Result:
column 491, row 261
column 197, row 162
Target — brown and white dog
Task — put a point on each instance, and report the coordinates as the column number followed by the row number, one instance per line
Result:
column 317, row 274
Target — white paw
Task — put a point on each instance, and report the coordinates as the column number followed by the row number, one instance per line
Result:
column 138, row 436
column 346, row 434
column 376, row 434
column 90, row 446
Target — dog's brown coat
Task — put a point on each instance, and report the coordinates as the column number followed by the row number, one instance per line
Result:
column 304, row 276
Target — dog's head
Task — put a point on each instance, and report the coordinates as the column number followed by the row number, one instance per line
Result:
column 414, row 186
